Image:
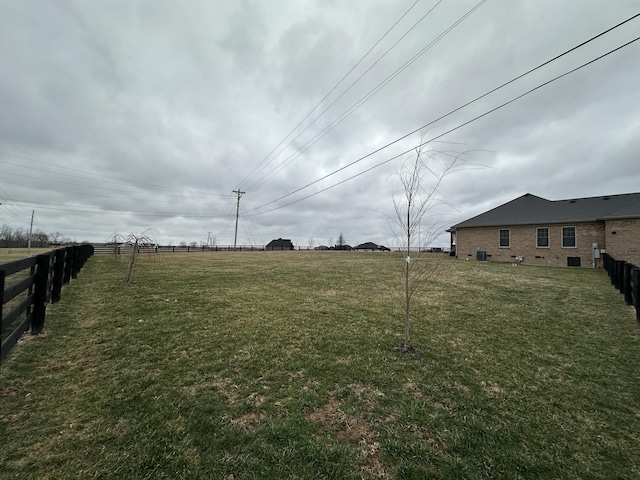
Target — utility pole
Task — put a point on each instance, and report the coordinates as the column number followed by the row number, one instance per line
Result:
column 235, row 238
column 30, row 231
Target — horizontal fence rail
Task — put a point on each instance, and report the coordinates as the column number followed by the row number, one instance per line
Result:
column 626, row 278
column 124, row 249
column 28, row 285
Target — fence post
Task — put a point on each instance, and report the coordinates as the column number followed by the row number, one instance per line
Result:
column 626, row 282
column 68, row 264
column 618, row 275
column 608, row 266
column 2, row 274
column 83, row 255
column 58, row 275
column 75, row 265
column 635, row 290
column 619, row 271
column 40, row 293
column 612, row 270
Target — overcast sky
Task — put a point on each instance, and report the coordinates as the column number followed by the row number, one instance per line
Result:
column 118, row 116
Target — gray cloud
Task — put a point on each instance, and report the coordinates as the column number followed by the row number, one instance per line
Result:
column 137, row 114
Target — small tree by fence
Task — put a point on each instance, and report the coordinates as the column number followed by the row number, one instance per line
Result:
column 626, row 278
column 32, row 283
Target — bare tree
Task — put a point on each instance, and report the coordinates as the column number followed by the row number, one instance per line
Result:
column 134, row 241
column 415, row 226
column 311, row 242
column 58, row 238
column 341, row 241
column 21, row 238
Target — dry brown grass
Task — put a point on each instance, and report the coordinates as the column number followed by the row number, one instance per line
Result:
column 12, row 254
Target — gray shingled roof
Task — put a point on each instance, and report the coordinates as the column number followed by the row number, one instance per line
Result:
column 530, row 209
column 280, row 242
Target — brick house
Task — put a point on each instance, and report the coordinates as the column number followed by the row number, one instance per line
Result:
column 536, row 231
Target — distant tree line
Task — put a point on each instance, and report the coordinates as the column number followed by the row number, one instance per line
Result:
column 19, row 238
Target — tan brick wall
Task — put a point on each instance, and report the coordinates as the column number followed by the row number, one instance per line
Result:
column 523, row 244
column 624, row 244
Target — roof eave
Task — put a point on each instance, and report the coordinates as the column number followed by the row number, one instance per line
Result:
column 619, row 217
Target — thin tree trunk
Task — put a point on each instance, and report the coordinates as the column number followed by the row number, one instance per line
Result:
column 132, row 261
column 407, row 296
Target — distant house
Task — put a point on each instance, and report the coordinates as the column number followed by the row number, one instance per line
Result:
column 341, row 247
column 280, row 244
column 371, row 247
column 536, row 231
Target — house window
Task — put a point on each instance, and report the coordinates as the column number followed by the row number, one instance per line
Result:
column 542, row 237
column 568, row 237
column 504, row 238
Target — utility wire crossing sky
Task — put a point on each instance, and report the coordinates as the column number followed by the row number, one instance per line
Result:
column 121, row 116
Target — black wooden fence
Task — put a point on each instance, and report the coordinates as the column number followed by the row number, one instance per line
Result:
column 27, row 285
column 626, row 278
column 125, row 249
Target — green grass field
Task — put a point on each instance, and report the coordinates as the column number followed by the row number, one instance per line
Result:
column 13, row 254
column 282, row 365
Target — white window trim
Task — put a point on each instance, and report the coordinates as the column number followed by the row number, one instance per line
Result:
column 575, row 236
column 548, row 237
column 499, row 238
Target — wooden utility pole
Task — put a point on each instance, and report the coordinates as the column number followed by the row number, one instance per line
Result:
column 33, row 212
column 235, row 238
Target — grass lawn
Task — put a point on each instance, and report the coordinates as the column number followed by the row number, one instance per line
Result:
column 13, row 254
column 282, row 365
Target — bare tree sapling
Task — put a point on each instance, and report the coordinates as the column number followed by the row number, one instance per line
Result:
column 415, row 225
column 134, row 241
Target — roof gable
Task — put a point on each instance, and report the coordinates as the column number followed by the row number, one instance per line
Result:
column 367, row 246
column 516, row 212
column 280, row 242
column 530, row 209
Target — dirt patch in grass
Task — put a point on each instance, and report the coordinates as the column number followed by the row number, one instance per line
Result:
column 368, row 395
column 410, row 388
column 492, row 389
column 223, row 385
column 355, row 430
column 249, row 421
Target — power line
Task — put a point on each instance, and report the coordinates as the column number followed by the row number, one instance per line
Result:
column 7, row 208
column 225, row 228
column 50, row 181
column 80, row 209
column 436, row 137
column 330, row 92
column 455, row 110
column 370, row 94
column 100, row 176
